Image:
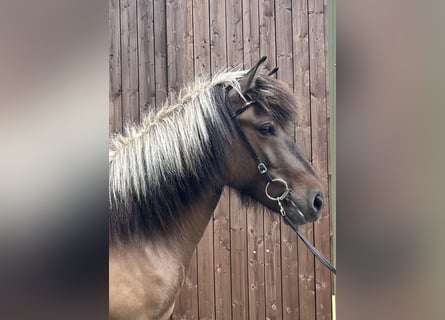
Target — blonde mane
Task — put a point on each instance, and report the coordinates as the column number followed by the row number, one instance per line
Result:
column 170, row 145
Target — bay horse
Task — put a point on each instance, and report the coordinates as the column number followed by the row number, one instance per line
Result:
column 167, row 174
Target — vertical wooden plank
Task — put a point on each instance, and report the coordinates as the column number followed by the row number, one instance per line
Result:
column 251, row 34
column 201, row 37
column 130, row 73
column 301, row 75
column 267, row 31
column 160, row 47
column 257, row 299
column 147, row 88
column 115, row 92
column 272, row 266
column 218, row 35
column 221, row 231
column 331, row 98
column 289, row 241
column 221, row 238
column 272, row 223
column 320, row 149
column 180, row 71
column 234, row 26
column 238, row 251
column 206, row 284
column 306, row 282
column 255, row 225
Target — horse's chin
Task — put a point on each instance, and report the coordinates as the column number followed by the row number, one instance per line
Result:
column 295, row 217
column 296, row 214
column 294, row 210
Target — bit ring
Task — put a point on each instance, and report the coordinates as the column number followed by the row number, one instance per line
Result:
column 283, row 195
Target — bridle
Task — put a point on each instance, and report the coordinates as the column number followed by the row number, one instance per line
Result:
column 264, row 171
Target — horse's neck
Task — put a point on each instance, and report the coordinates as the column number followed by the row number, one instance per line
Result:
column 194, row 221
column 149, row 273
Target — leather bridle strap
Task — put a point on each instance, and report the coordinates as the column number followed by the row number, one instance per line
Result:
column 263, row 170
column 233, row 114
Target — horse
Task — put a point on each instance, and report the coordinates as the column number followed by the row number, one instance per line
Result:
column 167, row 174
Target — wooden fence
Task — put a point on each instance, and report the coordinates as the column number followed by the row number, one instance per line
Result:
column 249, row 265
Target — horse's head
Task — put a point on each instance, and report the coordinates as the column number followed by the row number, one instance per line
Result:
column 264, row 123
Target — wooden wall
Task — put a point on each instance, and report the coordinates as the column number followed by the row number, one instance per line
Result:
column 249, row 265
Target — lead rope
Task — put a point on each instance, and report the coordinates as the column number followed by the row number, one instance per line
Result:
column 263, row 170
column 311, row 247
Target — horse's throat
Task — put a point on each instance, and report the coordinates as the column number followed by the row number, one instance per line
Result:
column 194, row 223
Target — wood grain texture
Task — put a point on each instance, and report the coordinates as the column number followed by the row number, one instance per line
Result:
column 267, row 32
column 218, row 35
column 130, row 70
column 221, row 236
column 201, row 37
column 289, row 241
column 320, row 150
column 234, row 32
column 115, row 67
column 251, row 32
column 330, row 31
column 147, row 81
column 238, row 258
column 255, row 256
column 180, row 67
column 206, row 278
column 160, row 42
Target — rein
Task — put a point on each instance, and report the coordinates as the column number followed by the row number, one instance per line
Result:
column 263, row 170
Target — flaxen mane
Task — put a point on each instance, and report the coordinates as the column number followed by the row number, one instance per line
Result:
column 159, row 167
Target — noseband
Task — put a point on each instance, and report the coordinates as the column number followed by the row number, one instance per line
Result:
column 263, row 170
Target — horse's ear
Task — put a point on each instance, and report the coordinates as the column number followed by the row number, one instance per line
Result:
column 273, row 71
column 248, row 81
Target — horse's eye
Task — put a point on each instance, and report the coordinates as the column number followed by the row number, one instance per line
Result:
column 267, row 129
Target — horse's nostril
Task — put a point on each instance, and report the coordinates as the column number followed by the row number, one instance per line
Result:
column 318, row 202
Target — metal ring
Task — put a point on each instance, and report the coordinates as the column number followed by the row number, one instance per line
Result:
column 281, row 197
